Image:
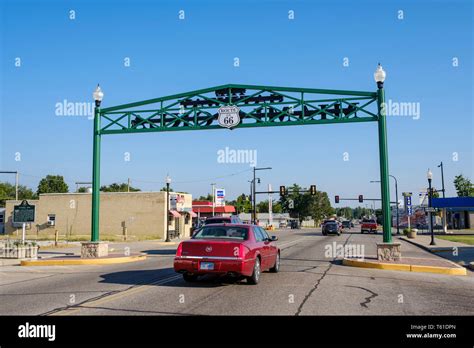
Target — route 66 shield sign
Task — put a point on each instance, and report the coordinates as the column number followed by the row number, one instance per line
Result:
column 228, row 116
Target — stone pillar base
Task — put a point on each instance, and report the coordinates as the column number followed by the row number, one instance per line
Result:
column 94, row 249
column 389, row 251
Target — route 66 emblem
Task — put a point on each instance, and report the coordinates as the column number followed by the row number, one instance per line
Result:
column 228, row 116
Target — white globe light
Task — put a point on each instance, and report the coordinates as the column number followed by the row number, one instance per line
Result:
column 379, row 74
column 98, row 94
column 168, row 179
column 429, row 175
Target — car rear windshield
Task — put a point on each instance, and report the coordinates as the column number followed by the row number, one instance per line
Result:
column 331, row 222
column 216, row 221
column 369, row 221
column 226, row 232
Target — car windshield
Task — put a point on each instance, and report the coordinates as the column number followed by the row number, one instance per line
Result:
column 369, row 221
column 216, row 221
column 331, row 223
column 226, row 232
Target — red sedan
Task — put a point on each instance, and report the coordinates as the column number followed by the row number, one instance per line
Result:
column 228, row 249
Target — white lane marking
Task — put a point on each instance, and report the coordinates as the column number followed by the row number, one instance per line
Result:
column 296, row 241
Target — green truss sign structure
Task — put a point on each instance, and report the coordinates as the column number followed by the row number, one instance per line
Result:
column 258, row 106
column 241, row 106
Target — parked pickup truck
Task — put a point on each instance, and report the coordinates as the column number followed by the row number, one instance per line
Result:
column 368, row 225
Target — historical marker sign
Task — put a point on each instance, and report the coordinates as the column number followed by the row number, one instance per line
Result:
column 24, row 212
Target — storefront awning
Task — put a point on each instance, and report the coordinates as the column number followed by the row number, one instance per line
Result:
column 175, row 213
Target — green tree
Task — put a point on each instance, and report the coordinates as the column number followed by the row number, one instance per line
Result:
column 115, row 187
column 8, row 192
column 203, row 198
column 82, row 190
column 464, row 187
column 52, row 184
column 304, row 204
column 242, row 204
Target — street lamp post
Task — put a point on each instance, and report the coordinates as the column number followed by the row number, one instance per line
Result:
column 445, row 229
column 168, row 182
column 379, row 77
column 98, row 96
column 429, row 175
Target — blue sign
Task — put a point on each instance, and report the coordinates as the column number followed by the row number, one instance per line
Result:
column 408, row 200
column 409, row 210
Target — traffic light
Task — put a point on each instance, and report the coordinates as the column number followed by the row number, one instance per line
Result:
column 282, row 190
column 336, row 199
column 361, row 198
column 312, row 190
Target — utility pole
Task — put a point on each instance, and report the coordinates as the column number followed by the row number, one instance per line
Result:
column 445, row 225
column 270, row 205
column 128, row 185
column 254, row 203
column 254, row 210
column 213, row 185
column 16, row 180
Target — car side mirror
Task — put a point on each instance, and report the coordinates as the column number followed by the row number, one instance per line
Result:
column 273, row 238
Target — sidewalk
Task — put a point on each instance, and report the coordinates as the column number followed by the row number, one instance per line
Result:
column 460, row 253
column 413, row 259
column 73, row 250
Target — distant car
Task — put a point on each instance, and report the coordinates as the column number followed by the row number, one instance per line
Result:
column 236, row 250
column 332, row 227
column 233, row 219
column 346, row 224
column 368, row 225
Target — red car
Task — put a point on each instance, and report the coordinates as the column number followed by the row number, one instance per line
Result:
column 368, row 225
column 237, row 250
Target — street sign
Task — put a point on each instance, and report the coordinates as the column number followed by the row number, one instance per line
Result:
column 24, row 212
column 409, row 210
column 430, row 209
column 408, row 201
column 291, row 204
column 220, row 197
column 228, row 116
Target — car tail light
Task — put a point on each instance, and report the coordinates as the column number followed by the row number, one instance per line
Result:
column 241, row 251
column 180, row 249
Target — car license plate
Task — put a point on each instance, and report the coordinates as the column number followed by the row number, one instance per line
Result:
column 206, row 266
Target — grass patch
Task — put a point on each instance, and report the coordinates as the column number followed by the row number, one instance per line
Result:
column 460, row 239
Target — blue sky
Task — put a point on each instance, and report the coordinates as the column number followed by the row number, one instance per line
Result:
column 63, row 59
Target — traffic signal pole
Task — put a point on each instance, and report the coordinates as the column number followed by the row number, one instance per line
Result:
column 384, row 174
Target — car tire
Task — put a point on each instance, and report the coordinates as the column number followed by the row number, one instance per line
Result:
column 255, row 277
column 276, row 266
column 191, row 278
column 361, row 232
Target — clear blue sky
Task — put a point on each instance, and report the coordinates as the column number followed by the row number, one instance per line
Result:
column 63, row 59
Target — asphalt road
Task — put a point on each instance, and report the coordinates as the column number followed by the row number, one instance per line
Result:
column 309, row 283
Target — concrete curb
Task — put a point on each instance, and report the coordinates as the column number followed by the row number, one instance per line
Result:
column 79, row 261
column 458, row 270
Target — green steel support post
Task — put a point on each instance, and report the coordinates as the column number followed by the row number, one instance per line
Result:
column 384, row 175
column 96, row 177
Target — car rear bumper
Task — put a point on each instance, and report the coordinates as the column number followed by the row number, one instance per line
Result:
column 222, row 265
